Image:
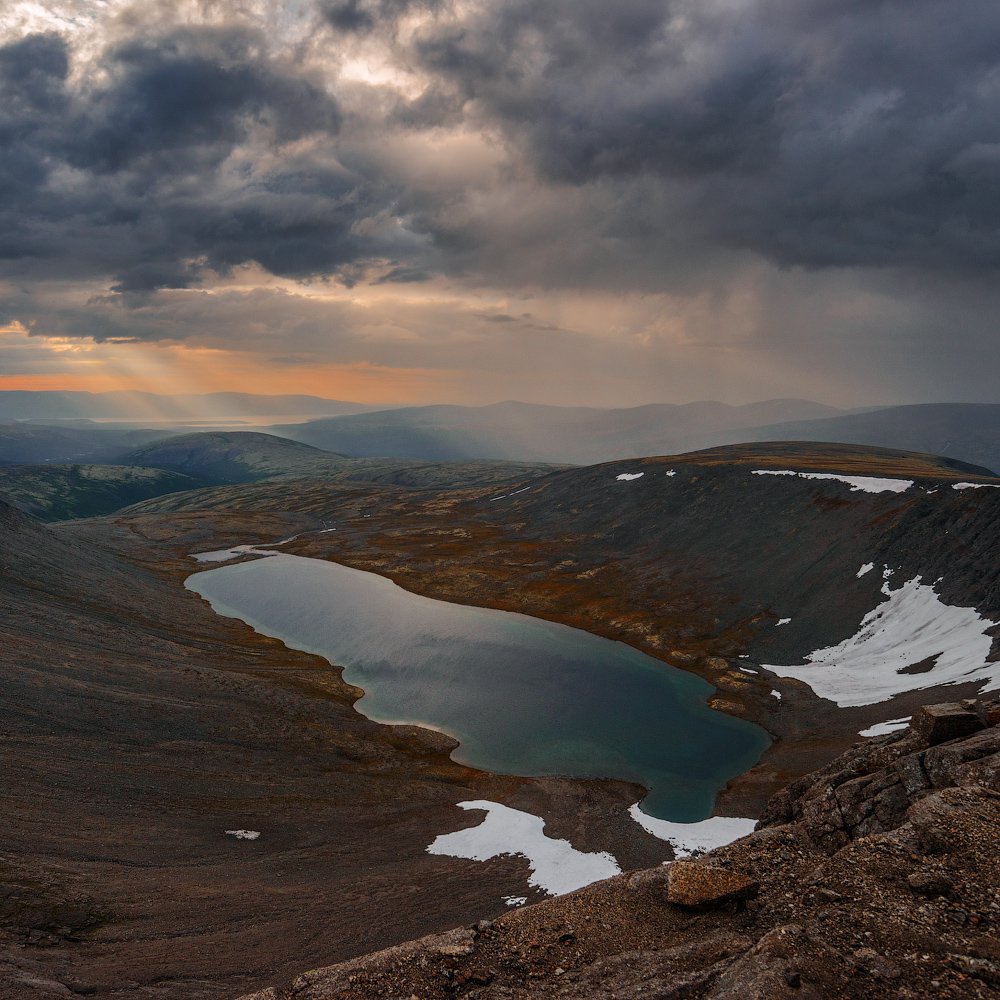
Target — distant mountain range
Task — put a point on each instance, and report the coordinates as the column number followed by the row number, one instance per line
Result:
column 969, row 432
column 532, row 432
column 149, row 407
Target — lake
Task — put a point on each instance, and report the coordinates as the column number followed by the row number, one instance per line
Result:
column 522, row 695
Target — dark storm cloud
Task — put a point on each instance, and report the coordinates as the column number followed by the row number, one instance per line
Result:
column 815, row 133
column 594, row 89
column 126, row 175
column 642, row 144
column 184, row 101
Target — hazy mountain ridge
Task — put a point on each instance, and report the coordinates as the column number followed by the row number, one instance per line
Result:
column 240, row 457
column 581, row 436
column 140, row 406
column 534, row 432
column 29, row 444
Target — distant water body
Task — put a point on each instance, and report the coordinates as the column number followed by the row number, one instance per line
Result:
column 523, row 696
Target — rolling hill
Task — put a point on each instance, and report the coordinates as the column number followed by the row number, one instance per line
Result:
column 234, row 456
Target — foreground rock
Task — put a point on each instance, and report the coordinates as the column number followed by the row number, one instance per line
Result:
column 697, row 886
column 874, row 878
column 950, row 721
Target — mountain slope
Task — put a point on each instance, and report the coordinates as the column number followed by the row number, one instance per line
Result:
column 528, row 432
column 699, row 560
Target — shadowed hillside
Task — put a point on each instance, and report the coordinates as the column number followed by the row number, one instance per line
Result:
column 234, row 456
column 63, row 492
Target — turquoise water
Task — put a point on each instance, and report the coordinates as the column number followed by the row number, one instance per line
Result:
column 524, row 696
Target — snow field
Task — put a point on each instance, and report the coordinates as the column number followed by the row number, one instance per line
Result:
column 556, row 866
column 864, row 484
column 911, row 626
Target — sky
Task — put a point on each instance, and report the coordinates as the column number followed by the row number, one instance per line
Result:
column 562, row 201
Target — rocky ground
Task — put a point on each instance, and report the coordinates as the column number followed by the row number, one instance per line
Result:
column 873, row 878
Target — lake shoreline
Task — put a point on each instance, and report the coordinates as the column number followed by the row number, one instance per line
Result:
column 235, row 590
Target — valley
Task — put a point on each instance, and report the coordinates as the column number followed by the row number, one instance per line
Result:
column 168, row 732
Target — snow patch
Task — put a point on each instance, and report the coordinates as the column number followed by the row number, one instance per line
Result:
column 670, row 473
column 911, row 626
column 629, row 476
column 782, row 621
column 244, row 834
column 867, row 568
column 883, row 728
column 556, row 866
column 691, row 838
column 975, row 486
column 515, row 900
column 864, row 484
column 776, row 694
column 492, row 499
column 747, row 670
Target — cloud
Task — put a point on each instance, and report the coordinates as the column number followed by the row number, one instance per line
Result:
column 364, row 16
column 761, row 171
column 814, row 134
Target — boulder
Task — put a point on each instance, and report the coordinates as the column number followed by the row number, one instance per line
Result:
column 931, row 883
column 695, row 886
column 948, row 721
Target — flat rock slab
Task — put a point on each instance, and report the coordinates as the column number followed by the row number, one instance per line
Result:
column 947, row 721
column 696, row 886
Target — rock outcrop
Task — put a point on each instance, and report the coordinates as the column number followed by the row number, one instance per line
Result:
column 871, row 789
column 873, row 878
